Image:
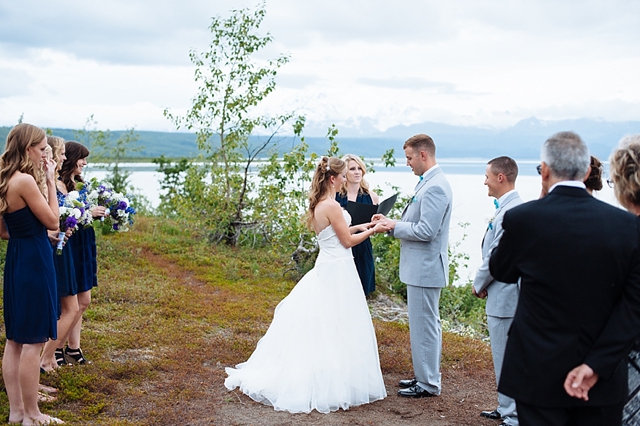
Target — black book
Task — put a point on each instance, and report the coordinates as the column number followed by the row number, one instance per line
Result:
column 362, row 213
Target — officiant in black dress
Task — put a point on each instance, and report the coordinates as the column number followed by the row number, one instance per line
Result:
column 356, row 189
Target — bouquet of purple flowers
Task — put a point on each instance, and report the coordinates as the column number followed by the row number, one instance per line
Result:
column 118, row 206
column 72, row 210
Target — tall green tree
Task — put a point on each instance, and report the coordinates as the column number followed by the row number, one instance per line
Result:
column 233, row 81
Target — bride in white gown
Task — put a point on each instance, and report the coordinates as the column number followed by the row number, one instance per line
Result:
column 320, row 351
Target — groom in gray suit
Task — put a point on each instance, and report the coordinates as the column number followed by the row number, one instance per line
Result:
column 502, row 298
column 423, row 232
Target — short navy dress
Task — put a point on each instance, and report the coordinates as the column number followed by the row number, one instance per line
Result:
column 65, row 269
column 30, row 293
column 363, row 252
column 84, row 252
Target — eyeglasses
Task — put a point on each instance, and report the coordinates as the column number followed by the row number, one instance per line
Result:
column 610, row 182
column 539, row 169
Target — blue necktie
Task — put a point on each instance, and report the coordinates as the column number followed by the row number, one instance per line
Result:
column 495, row 203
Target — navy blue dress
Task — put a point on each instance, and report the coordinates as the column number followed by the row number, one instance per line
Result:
column 363, row 252
column 84, row 252
column 30, row 293
column 65, row 269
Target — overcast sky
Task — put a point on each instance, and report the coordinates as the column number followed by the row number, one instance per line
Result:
column 357, row 62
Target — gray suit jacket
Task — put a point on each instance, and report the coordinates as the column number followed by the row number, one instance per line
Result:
column 424, row 233
column 502, row 298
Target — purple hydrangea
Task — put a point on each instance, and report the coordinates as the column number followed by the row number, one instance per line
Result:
column 71, row 222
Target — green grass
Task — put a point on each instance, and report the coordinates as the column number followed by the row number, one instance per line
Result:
column 170, row 312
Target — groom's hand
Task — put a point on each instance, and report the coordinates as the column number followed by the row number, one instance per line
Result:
column 481, row 295
column 378, row 217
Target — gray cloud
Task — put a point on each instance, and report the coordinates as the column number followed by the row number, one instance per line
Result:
column 163, row 31
column 418, row 21
column 375, row 21
column 129, row 32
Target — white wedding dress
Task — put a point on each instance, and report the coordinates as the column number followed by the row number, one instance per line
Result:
column 320, row 351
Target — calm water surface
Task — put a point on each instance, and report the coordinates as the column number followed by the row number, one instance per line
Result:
column 471, row 205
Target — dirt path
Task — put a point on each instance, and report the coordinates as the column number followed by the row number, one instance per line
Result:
column 191, row 391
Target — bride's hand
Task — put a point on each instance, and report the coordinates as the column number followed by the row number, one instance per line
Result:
column 365, row 226
column 381, row 227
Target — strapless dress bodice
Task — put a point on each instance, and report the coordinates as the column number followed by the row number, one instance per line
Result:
column 23, row 223
column 330, row 246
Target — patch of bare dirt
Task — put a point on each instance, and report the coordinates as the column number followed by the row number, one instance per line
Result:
column 191, row 391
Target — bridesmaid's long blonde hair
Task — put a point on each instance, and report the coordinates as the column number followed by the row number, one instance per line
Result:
column 327, row 167
column 56, row 143
column 16, row 159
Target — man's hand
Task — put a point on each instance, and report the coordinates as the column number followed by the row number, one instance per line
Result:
column 481, row 295
column 387, row 223
column 579, row 381
column 378, row 217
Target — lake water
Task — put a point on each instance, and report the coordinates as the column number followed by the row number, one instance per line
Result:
column 471, row 205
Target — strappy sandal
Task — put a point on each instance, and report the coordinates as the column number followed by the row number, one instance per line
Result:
column 74, row 356
column 50, row 421
column 47, row 389
column 43, row 397
column 60, row 359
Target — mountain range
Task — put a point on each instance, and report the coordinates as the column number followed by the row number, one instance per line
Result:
column 521, row 141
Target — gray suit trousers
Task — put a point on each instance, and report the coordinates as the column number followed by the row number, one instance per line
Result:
column 426, row 335
column 498, row 330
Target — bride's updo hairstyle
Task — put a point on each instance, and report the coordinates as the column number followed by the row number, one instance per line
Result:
column 625, row 172
column 320, row 184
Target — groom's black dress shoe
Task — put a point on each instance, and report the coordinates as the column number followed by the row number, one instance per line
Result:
column 407, row 383
column 414, row 391
column 493, row 415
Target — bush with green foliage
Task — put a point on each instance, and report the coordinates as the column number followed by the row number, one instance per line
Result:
column 460, row 310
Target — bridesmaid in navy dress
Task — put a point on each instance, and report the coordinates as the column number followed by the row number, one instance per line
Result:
column 52, row 355
column 82, row 245
column 356, row 189
column 30, row 296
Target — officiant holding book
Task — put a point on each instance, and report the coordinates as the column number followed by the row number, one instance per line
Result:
column 356, row 189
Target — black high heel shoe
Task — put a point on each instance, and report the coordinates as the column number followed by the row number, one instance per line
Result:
column 60, row 359
column 74, row 356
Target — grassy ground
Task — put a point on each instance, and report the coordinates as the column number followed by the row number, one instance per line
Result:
column 170, row 312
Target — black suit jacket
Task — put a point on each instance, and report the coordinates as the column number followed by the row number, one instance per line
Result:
column 579, row 261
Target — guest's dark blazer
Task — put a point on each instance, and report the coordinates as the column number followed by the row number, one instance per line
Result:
column 579, row 261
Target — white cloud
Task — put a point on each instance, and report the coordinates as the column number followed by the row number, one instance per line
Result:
column 14, row 82
column 369, row 62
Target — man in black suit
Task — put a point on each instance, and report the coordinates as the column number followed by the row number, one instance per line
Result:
column 579, row 309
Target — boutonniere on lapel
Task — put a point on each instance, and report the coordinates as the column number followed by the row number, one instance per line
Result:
column 495, row 203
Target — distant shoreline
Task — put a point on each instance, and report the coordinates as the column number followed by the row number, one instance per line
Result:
column 466, row 166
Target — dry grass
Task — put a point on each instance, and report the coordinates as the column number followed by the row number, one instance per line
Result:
column 170, row 312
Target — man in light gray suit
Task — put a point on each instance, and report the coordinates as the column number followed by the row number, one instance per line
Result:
column 423, row 231
column 502, row 298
